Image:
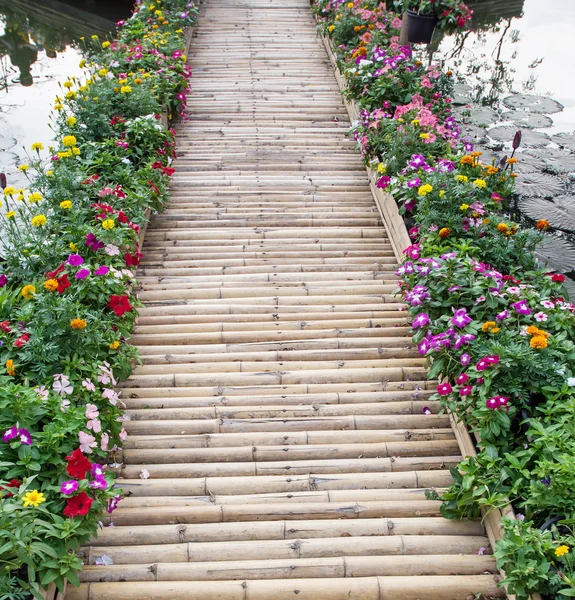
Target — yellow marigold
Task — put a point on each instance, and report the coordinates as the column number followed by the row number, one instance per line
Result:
column 125, row 89
column 137, row 81
column 66, row 154
column 58, row 106
column 51, row 285
column 467, row 160
column 464, row 206
column 475, row 154
column 33, row 498
column 69, row 141
column 480, row 183
column 503, row 228
column 424, row 136
column 49, row 173
column 492, row 170
column 562, row 550
column 35, row 197
column 10, row 215
column 68, row 84
column 488, row 326
column 78, row 324
column 511, row 161
column 23, row 168
column 331, row 28
column 444, row 232
column 103, row 72
column 71, row 121
column 114, row 345
column 10, row 367
column 105, row 44
column 73, row 247
column 350, row 4
column 424, row 189
column 442, row 193
column 495, row 329
column 538, row 342
column 122, row 81
column 66, row 204
column 381, row 168
column 94, row 37
column 76, row 151
column 9, row 190
column 28, row 291
column 543, row 224
column 39, row 220
column 462, row 178
column 108, row 224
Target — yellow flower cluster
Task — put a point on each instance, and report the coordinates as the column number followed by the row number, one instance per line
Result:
column 78, row 324
column 424, row 189
column 39, row 220
column 28, row 291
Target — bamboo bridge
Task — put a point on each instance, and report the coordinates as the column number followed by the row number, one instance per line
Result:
column 279, row 443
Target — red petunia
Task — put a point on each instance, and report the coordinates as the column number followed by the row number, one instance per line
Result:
column 78, row 464
column 557, row 278
column 5, row 326
column 157, row 165
column 119, row 304
column 63, row 283
column 78, row 506
column 133, row 260
column 151, row 184
column 22, row 340
column 53, row 274
column 14, row 483
column 122, row 217
column 169, row 171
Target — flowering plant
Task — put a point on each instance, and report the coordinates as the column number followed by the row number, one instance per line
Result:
column 451, row 14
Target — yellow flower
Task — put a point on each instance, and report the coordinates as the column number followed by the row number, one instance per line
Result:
column 71, row 121
column 39, row 220
column 58, row 106
column 381, row 168
column 82, row 64
column 76, row 151
column 103, row 72
column 125, row 89
column 66, row 204
column 424, row 136
column 37, row 146
column 23, row 168
column 462, row 178
column 444, row 232
column 122, row 81
column 28, row 291
column 49, row 173
column 480, row 183
column 69, row 141
column 464, row 206
column 415, row 122
column 105, row 44
column 489, row 327
column 424, row 189
column 512, row 161
column 115, row 345
column 350, row 4
column 94, row 37
column 33, row 498
column 108, row 224
column 10, row 367
column 68, row 84
column 51, row 285
column 9, row 191
column 442, row 193
column 35, row 197
column 78, row 324
column 538, row 342
column 331, row 28
column 66, row 154
column 562, row 550
column 11, row 214
column 467, row 160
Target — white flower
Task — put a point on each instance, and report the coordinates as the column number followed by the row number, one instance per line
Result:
column 540, row 317
column 144, row 474
column 571, row 381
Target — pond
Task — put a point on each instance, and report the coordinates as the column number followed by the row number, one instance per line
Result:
column 514, row 72
column 37, row 52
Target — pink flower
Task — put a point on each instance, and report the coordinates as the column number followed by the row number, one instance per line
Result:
column 144, row 474
column 83, row 273
column 547, row 304
column 68, row 487
column 461, row 379
column 421, row 320
column 111, row 250
column 444, row 389
column 62, row 385
column 87, row 442
column 540, row 317
column 92, row 411
column 496, row 402
column 103, row 270
column 396, row 23
column 75, row 260
column 99, row 483
column 123, row 434
column 461, row 318
column 465, row 359
column 88, row 384
column 111, row 396
column 465, row 391
column 426, row 410
column 104, row 440
column 113, row 504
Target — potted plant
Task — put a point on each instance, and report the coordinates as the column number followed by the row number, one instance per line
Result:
column 423, row 16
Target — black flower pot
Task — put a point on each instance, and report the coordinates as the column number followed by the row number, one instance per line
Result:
column 420, row 27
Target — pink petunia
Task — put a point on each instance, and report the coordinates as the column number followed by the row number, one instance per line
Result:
column 87, row 442
column 444, row 389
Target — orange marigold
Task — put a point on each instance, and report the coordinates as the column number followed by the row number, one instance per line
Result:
column 51, row 285
column 503, row 228
column 538, row 342
column 467, row 160
column 444, row 232
column 489, row 326
column 543, row 224
column 78, row 324
column 10, row 367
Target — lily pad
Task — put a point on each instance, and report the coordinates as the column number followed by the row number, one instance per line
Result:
column 558, row 215
column 461, row 93
column 478, row 115
column 559, row 162
column 522, row 118
column 533, row 139
column 565, row 140
column 557, row 253
column 536, row 104
column 538, row 185
column 474, row 134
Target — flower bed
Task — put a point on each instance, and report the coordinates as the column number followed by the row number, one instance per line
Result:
column 70, row 243
column 496, row 328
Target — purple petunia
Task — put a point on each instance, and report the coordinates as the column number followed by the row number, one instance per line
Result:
column 444, row 389
column 521, row 307
column 3, row 280
column 68, row 487
column 14, row 432
column 383, row 181
column 99, row 483
column 412, row 183
column 504, row 314
column 75, row 260
column 465, row 359
column 421, row 320
column 93, row 242
column 103, row 270
column 113, row 504
column 82, row 274
column 417, row 161
column 461, row 318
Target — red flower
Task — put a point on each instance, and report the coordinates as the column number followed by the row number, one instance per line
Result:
column 78, row 506
column 119, row 304
column 151, row 184
column 157, row 165
column 122, row 217
column 169, row 171
column 22, row 340
column 14, row 483
column 133, row 260
column 78, row 464
column 119, row 193
column 5, row 326
column 91, row 179
column 63, row 283
column 556, row 277
column 56, row 272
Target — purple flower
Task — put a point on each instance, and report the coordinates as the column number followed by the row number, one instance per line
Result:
column 113, row 504
column 68, row 487
column 426, row 410
column 25, row 437
column 103, row 270
column 502, row 315
column 462, row 378
column 417, row 161
column 3, row 280
column 93, row 243
column 97, row 470
column 465, row 391
column 75, row 260
column 445, row 166
column 444, row 389
column 454, row 288
column 10, row 434
column 521, row 307
column 83, row 273
column 421, row 320
column 99, row 483
column 412, row 183
column 424, row 346
column 461, row 318
column 447, row 255
column 383, row 181
column 465, row 359
column 546, row 481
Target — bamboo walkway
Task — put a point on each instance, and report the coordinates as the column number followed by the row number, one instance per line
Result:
column 279, row 411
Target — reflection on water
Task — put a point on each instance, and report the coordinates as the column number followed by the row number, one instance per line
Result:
column 36, row 53
column 513, row 72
